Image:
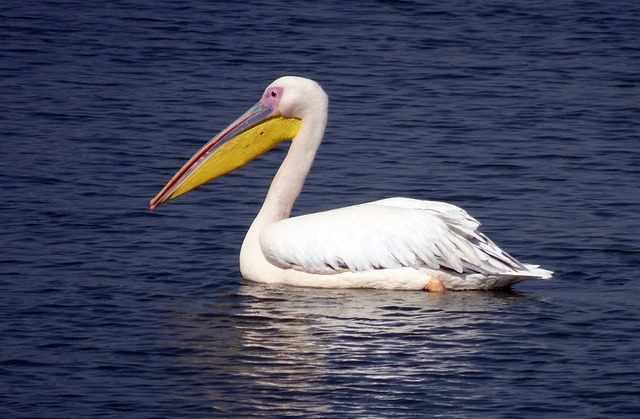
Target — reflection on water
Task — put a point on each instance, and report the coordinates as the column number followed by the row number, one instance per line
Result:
column 277, row 350
column 313, row 351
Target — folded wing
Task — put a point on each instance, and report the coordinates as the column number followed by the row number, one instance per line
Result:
column 387, row 234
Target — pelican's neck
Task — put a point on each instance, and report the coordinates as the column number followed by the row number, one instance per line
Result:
column 286, row 185
column 289, row 180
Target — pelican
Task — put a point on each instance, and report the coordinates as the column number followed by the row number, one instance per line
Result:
column 395, row 243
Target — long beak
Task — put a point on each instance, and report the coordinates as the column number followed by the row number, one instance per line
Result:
column 257, row 131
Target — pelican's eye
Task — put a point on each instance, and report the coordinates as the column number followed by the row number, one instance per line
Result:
column 272, row 96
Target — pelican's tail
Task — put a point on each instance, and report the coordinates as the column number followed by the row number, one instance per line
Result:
column 535, row 271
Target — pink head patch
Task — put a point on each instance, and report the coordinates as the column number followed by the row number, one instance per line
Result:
column 272, row 97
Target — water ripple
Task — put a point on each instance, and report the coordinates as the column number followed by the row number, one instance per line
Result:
column 524, row 114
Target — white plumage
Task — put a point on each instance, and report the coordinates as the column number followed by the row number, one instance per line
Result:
column 431, row 238
column 395, row 243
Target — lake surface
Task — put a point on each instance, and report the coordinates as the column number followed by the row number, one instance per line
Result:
column 527, row 115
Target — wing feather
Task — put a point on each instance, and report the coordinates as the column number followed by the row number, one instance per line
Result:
column 386, row 234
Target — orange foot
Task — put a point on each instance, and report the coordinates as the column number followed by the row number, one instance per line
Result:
column 434, row 285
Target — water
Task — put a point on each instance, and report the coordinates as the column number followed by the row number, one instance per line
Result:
column 527, row 115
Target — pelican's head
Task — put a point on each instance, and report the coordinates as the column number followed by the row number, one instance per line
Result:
column 276, row 117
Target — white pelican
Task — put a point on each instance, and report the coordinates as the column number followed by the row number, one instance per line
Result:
column 395, row 243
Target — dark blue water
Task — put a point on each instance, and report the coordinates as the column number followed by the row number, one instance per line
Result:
column 527, row 114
